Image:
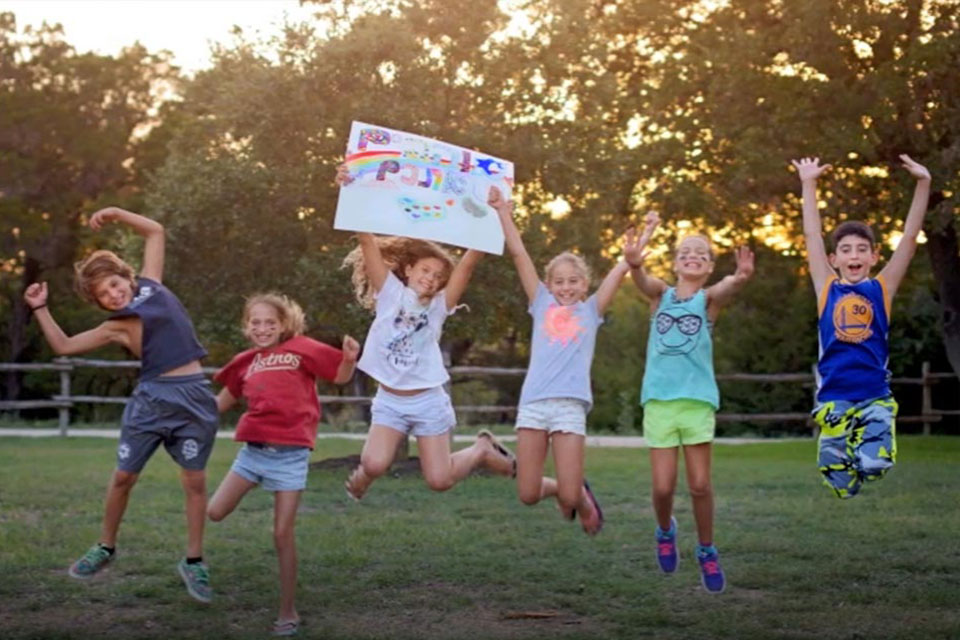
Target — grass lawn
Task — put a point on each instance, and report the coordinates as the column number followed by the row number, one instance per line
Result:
column 475, row 563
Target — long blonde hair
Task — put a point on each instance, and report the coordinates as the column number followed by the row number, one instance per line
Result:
column 398, row 253
column 293, row 322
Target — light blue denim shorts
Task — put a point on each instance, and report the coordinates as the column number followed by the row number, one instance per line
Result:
column 554, row 415
column 274, row 467
column 425, row 414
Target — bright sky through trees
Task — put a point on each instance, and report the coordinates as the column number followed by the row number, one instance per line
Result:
column 185, row 27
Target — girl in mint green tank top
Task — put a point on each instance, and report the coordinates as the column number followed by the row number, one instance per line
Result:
column 680, row 393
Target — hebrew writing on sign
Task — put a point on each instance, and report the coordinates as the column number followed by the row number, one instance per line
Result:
column 407, row 185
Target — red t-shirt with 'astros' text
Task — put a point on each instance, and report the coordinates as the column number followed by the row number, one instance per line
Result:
column 280, row 386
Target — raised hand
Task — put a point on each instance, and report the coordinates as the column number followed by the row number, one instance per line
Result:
column 495, row 199
column 634, row 247
column 343, row 176
column 104, row 216
column 350, row 348
column 36, row 295
column 809, row 168
column 650, row 223
column 745, row 263
column 916, row 169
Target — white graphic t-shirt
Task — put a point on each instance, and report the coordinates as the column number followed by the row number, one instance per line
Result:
column 402, row 348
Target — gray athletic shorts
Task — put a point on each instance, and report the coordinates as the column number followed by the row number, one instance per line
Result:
column 179, row 411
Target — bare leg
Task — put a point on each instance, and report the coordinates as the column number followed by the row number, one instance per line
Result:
column 375, row 460
column 441, row 469
column 663, row 465
column 568, row 459
column 568, row 456
column 228, row 496
column 285, row 505
column 195, row 490
column 532, row 487
column 697, row 461
column 115, row 504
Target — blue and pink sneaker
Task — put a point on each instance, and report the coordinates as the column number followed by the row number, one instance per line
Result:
column 711, row 575
column 667, row 556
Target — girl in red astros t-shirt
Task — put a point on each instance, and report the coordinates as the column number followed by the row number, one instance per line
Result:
column 278, row 379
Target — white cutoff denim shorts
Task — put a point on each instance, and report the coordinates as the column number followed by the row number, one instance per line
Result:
column 554, row 415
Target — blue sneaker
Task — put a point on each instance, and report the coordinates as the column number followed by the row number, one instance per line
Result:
column 667, row 555
column 711, row 575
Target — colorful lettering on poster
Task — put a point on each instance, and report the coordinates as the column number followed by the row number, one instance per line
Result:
column 387, row 166
column 375, row 136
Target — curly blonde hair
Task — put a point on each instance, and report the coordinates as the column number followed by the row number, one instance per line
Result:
column 96, row 267
column 292, row 319
column 573, row 259
column 398, row 253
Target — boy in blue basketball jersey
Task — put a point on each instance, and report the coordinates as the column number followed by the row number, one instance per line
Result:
column 855, row 410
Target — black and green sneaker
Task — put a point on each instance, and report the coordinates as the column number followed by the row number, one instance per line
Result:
column 196, row 577
column 92, row 561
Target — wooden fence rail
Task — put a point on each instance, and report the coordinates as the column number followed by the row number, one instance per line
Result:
column 64, row 401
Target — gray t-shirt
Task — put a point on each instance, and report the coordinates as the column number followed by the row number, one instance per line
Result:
column 561, row 350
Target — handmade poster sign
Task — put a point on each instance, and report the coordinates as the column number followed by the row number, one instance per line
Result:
column 407, row 185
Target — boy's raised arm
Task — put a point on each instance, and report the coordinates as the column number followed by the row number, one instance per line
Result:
column 896, row 268
column 151, row 230
column 809, row 169
column 63, row 345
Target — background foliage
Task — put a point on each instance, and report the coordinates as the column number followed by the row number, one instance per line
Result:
column 692, row 108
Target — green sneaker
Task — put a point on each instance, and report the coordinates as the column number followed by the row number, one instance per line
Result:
column 92, row 561
column 197, row 579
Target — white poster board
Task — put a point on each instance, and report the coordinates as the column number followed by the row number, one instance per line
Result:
column 407, row 185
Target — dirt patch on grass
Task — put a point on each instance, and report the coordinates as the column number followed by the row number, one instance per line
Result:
column 444, row 610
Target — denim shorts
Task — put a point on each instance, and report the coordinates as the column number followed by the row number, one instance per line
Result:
column 554, row 415
column 179, row 412
column 425, row 414
column 274, row 467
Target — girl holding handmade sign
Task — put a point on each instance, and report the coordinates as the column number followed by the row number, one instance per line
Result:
column 556, row 395
column 412, row 285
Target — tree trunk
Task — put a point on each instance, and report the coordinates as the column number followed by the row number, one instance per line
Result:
column 944, row 253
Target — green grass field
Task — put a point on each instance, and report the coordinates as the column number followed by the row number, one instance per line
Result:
column 474, row 562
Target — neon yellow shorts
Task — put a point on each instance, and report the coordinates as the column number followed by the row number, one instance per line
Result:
column 671, row 423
